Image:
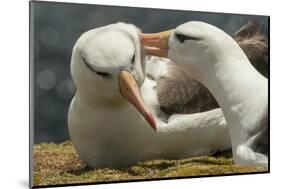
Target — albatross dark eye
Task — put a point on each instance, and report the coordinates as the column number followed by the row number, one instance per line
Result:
column 182, row 37
column 133, row 58
column 103, row 74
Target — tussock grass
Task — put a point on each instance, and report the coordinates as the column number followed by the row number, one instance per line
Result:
column 60, row 164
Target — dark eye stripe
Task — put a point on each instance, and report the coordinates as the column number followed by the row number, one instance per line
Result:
column 182, row 38
column 133, row 58
column 103, row 74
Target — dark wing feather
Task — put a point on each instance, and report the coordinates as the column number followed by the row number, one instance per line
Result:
column 260, row 141
column 255, row 45
column 178, row 93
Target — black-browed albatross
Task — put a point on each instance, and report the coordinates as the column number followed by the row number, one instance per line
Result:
column 212, row 57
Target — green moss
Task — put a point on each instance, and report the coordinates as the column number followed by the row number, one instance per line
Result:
column 60, row 164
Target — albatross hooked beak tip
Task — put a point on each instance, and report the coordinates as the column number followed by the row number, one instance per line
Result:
column 129, row 89
column 156, row 44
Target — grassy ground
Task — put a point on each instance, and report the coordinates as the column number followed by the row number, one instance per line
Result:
column 60, row 164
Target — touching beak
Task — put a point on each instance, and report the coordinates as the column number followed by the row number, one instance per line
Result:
column 156, row 44
column 131, row 92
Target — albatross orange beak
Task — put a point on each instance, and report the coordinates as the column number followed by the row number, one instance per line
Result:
column 131, row 92
column 156, row 44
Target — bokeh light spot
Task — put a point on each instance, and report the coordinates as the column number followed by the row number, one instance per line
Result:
column 46, row 80
column 65, row 89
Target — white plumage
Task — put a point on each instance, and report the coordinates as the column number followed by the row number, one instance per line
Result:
column 212, row 57
column 106, row 129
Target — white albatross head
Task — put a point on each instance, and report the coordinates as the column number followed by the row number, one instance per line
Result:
column 107, row 66
column 197, row 45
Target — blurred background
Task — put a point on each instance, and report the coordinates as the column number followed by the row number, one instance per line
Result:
column 57, row 26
